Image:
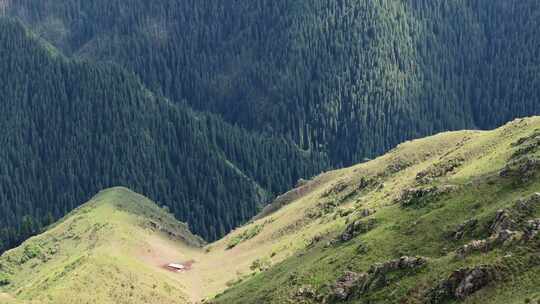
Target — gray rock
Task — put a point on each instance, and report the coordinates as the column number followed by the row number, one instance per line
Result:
column 463, row 228
column 523, row 168
column 532, row 229
column 502, row 221
column 472, row 281
column 356, row 228
column 401, row 263
column 346, row 285
column 461, row 284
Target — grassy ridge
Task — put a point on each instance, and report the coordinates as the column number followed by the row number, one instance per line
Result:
column 92, row 255
column 469, row 167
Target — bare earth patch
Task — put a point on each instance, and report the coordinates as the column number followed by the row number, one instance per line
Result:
column 159, row 252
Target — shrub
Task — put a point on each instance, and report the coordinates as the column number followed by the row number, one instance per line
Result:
column 4, row 280
column 244, row 236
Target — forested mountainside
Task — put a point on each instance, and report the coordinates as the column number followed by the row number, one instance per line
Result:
column 351, row 78
column 71, row 128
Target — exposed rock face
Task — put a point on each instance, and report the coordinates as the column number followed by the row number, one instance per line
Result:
column 366, row 212
column 366, row 182
column 416, row 196
column 336, row 189
column 353, row 284
column 461, row 284
column 471, row 281
column 463, row 229
column 523, row 168
column 322, row 209
column 304, row 293
column 398, row 165
column 529, row 204
column 522, row 165
column 410, row 196
column 508, row 226
column 473, row 246
column 356, row 228
column 439, row 169
column 527, row 144
column 503, row 237
column 503, row 221
column 532, row 229
column 346, row 285
column 401, row 263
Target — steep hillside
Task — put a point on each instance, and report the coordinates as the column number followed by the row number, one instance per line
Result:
column 106, row 251
column 352, row 78
column 71, row 128
column 450, row 218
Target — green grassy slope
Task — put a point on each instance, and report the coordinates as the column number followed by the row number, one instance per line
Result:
column 410, row 202
column 100, row 253
column 424, row 200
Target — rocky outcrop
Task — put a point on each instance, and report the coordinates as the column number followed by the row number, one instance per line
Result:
column 322, row 209
column 439, row 169
column 356, row 228
column 526, row 145
column 335, row 190
column 397, row 165
column 503, row 221
column 365, row 212
column 507, row 227
column 532, row 229
column 514, row 218
column 522, row 169
column 501, row 238
column 401, row 263
column 473, row 246
column 347, row 285
column 353, row 284
column 305, row 294
column 461, row 284
column 418, row 196
column 464, row 228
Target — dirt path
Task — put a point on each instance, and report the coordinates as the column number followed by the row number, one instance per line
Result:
column 5, row 298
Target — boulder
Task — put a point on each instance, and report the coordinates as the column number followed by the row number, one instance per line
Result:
column 411, row 196
column 306, row 292
column 472, row 281
column 345, row 286
column 356, row 228
column 414, row 196
column 502, row 221
column 463, row 229
column 503, row 237
column 366, row 212
column 461, row 284
column 397, row 264
column 532, row 229
column 474, row 246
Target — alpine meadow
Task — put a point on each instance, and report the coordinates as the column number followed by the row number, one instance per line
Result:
column 269, row 151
